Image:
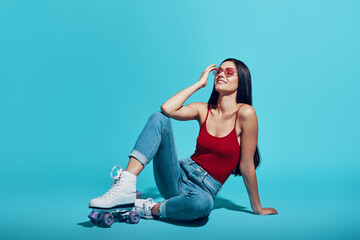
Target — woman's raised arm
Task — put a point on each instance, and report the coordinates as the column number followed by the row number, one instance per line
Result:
column 174, row 108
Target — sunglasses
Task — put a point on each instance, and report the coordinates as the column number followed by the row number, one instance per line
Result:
column 229, row 72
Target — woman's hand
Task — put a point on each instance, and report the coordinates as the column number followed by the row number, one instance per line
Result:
column 265, row 211
column 205, row 74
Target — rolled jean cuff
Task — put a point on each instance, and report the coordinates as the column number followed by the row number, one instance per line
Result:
column 139, row 156
column 162, row 209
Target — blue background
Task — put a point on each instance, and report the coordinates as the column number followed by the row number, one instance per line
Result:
column 78, row 80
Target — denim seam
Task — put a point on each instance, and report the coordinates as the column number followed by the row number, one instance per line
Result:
column 172, row 157
column 157, row 143
column 208, row 192
column 209, row 182
column 183, row 179
column 171, row 152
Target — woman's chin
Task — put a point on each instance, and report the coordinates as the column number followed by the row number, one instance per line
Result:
column 224, row 90
column 221, row 88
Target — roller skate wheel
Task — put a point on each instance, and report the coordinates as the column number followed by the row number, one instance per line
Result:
column 107, row 219
column 94, row 217
column 134, row 217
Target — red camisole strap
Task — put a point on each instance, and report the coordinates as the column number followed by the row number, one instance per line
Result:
column 206, row 116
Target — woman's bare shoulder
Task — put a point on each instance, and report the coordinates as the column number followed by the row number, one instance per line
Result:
column 246, row 111
column 207, row 106
column 202, row 108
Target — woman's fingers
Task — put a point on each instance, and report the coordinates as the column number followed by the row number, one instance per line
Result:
column 205, row 74
column 267, row 211
column 271, row 211
column 210, row 67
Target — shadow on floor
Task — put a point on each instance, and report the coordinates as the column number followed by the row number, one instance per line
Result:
column 86, row 224
column 196, row 223
column 219, row 203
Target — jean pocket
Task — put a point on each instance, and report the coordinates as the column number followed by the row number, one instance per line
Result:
column 212, row 187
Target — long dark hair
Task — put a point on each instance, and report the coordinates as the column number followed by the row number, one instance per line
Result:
column 244, row 95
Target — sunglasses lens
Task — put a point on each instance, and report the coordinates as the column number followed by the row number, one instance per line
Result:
column 229, row 72
column 215, row 71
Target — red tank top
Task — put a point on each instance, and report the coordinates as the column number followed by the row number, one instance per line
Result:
column 219, row 156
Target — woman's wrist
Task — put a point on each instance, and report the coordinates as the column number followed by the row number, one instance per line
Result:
column 198, row 85
column 256, row 208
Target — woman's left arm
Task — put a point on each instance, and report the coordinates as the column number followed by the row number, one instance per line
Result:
column 249, row 136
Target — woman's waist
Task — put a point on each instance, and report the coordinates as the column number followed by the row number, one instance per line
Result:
column 200, row 176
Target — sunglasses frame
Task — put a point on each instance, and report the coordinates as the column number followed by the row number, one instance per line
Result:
column 219, row 70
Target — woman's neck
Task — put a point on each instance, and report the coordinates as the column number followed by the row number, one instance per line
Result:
column 226, row 104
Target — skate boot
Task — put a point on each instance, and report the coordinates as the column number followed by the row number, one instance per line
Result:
column 144, row 206
column 122, row 194
column 118, row 202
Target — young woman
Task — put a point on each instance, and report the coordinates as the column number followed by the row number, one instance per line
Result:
column 227, row 144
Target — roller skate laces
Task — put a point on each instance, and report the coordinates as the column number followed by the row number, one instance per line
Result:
column 117, row 182
column 144, row 206
column 122, row 193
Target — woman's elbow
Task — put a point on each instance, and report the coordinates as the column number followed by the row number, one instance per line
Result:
column 165, row 111
column 246, row 167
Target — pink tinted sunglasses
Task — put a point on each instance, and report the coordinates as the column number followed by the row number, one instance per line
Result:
column 229, row 72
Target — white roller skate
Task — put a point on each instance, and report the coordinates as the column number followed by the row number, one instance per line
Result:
column 118, row 201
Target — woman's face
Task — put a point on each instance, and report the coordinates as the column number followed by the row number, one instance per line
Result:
column 226, row 85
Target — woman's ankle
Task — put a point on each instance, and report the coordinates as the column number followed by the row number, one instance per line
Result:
column 155, row 210
column 134, row 166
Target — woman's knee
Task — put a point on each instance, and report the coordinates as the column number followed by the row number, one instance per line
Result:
column 202, row 205
column 159, row 116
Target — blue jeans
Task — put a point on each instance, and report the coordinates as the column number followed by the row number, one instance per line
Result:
column 188, row 190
